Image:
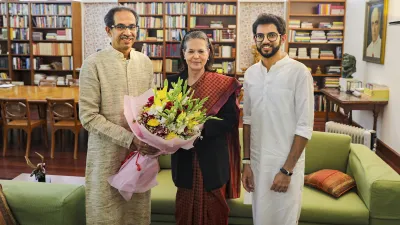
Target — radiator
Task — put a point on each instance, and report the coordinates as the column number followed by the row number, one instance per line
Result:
column 358, row 135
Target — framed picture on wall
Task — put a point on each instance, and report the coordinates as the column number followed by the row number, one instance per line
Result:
column 375, row 31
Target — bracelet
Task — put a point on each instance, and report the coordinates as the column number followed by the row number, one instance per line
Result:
column 287, row 173
column 246, row 161
column 246, row 158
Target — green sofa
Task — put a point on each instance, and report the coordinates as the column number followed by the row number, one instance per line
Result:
column 34, row 203
column 376, row 201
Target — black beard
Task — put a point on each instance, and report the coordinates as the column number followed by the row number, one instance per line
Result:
column 275, row 49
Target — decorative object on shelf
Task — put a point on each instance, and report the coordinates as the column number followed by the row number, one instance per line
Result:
column 243, row 69
column 318, row 71
column 349, row 66
column 39, row 170
column 348, row 69
column 375, row 31
column 56, row 65
column 352, row 85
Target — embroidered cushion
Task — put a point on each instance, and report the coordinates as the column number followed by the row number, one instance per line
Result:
column 332, row 182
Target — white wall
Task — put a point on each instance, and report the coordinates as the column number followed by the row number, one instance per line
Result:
column 388, row 128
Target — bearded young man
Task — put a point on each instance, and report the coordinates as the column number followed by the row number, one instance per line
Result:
column 105, row 78
column 277, row 123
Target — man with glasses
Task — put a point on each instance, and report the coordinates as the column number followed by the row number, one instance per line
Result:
column 278, row 117
column 105, row 78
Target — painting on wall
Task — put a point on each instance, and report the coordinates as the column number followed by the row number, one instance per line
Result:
column 375, row 31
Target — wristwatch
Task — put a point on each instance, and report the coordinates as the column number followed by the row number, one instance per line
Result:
column 246, row 161
column 287, row 173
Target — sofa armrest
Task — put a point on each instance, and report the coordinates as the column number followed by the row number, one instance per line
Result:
column 43, row 203
column 378, row 184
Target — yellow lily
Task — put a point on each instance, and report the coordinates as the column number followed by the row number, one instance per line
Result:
column 162, row 94
column 192, row 124
column 170, row 136
column 153, row 123
column 157, row 101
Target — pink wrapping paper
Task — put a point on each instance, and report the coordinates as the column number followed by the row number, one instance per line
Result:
column 131, row 178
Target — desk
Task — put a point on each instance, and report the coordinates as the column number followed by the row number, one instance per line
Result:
column 36, row 94
column 350, row 102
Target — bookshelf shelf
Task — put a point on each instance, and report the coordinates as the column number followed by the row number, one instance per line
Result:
column 326, row 75
column 315, row 15
column 309, row 43
column 52, row 41
column 319, row 59
column 316, row 20
column 51, row 28
column 179, row 17
column 32, row 21
column 324, row 29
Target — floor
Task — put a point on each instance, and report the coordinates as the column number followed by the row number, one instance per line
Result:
column 63, row 163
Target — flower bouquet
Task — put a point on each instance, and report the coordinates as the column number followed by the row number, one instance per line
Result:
column 166, row 120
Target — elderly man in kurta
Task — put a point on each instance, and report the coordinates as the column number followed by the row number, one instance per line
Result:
column 106, row 77
column 278, row 117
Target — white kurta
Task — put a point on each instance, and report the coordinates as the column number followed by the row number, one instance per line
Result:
column 105, row 78
column 374, row 48
column 278, row 104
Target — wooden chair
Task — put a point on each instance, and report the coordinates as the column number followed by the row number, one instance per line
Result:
column 63, row 115
column 16, row 115
column 47, row 83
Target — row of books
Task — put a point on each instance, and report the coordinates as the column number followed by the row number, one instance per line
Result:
column 4, row 62
column 157, row 66
column 152, row 50
column 40, row 63
column 52, row 22
column 19, row 34
column 224, row 51
column 175, row 21
column 223, row 35
column 176, row 8
column 316, row 36
column 18, row 9
column 309, row 25
column 3, row 21
column 21, row 63
column 55, row 49
column 3, row 8
column 227, row 67
column 331, row 82
column 175, row 35
column 146, row 8
column 158, row 80
column 52, row 9
column 329, row 9
column 143, row 35
column 171, row 65
column 20, row 48
column 60, row 35
column 19, row 21
column 320, row 104
column 150, row 22
column 212, row 9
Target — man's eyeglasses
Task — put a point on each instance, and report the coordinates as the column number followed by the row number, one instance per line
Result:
column 122, row 27
column 271, row 36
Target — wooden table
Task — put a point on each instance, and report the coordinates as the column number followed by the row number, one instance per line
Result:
column 54, row 179
column 350, row 102
column 36, row 94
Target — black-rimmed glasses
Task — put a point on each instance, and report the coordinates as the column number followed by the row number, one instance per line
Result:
column 271, row 36
column 122, row 27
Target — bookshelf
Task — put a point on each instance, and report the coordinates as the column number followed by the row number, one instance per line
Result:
column 315, row 31
column 41, row 38
column 170, row 20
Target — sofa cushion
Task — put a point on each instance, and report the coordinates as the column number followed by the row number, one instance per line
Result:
column 163, row 195
column 319, row 207
column 332, row 182
column 237, row 208
column 6, row 216
column 43, row 203
column 327, row 151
